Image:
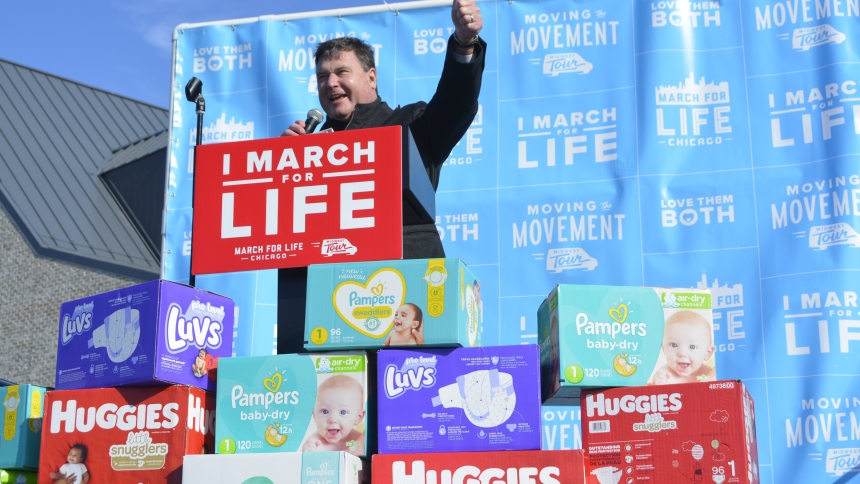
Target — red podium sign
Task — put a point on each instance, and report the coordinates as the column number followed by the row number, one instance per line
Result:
column 295, row 201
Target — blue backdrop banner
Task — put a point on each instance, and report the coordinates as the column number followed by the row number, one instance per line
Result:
column 708, row 144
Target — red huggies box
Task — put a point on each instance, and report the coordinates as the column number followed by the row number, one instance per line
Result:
column 690, row 432
column 135, row 435
column 514, row 467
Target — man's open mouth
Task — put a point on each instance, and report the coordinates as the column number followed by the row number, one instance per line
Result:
column 336, row 97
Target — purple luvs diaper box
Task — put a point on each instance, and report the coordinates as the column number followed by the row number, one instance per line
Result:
column 151, row 333
column 463, row 399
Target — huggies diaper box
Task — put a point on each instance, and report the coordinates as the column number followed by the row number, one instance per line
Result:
column 22, row 426
column 371, row 305
column 615, row 336
column 462, row 399
column 18, row 477
column 149, row 334
column 519, row 467
column 690, row 432
column 282, row 468
column 295, row 403
column 124, row 435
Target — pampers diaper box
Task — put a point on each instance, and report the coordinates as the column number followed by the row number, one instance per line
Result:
column 295, row 403
column 371, row 305
column 521, row 467
column 702, row 432
column 306, row 468
column 615, row 336
column 154, row 332
column 22, row 426
column 125, row 435
column 462, row 399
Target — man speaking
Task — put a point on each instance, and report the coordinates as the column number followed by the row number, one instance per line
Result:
column 346, row 80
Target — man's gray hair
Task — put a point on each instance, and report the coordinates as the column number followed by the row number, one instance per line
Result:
column 334, row 48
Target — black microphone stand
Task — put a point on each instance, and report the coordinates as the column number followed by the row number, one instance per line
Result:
column 194, row 94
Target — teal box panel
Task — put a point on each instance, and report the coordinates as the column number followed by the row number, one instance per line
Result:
column 617, row 336
column 295, row 403
column 22, row 426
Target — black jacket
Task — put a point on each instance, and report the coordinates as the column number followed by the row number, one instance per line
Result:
column 436, row 126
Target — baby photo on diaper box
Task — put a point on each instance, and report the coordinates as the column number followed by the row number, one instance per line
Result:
column 151, row 333
column 124, row 435
column 294, row 403
column 22, row 426
column 372, row 305
column 609, row 336
column 448, row 400
column 702, row 433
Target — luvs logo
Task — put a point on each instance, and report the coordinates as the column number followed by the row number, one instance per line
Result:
column 78, row 322
column 416, row 373
column 183, row 331
column 369, row 307
column 691, row 123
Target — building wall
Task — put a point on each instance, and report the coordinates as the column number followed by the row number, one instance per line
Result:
column 31, row 291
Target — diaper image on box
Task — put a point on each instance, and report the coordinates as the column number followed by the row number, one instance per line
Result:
column 21, row 407
column 119, row 334
column 606, row 336
column 370, row 305
column 478, row 399
column 486, row 396
column 293, row 403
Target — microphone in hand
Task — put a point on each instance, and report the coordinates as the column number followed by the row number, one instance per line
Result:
column 315, row 117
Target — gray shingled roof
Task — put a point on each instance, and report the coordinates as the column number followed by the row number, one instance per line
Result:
column 56, row 136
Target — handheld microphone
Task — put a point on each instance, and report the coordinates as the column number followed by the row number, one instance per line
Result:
column 315, row 117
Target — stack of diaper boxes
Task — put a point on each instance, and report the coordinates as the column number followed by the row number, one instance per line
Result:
column 440, row 395
column 641, row 362
column 135, row 368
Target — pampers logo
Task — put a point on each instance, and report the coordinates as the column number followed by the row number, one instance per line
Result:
column 555, row 64
column 138, row 453
column 273, row 396
column 840, row 461
column 417, row 373
column 645, row 404
column 322, row 471
column 369, row 306
column 79, row 322
column 183, row 331
column 558, row 260
column 823, row 236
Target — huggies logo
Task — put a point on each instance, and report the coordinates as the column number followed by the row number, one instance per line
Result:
column 79, row 322
column 632, row 404
column 109, row 416
column 416, row 373
column 474, row 475
column 182, row 331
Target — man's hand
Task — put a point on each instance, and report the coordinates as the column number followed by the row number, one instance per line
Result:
column 295, row 129
column 467, row 23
